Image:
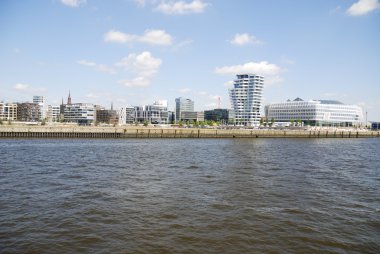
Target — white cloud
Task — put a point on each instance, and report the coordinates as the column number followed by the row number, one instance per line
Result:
column 73, row 3
column 144, row 64
column 21, row 87
column 98, row 67
column 150, row 36
column 140, row 3
column 262, row 68
column 136, row 82
column 229, row 84
column 182, row 44
column 181, row 7
column 184, row 90
column 27, row 88
column 363, row 7
column 270, row 80
column 92, row 95
column 244, row 39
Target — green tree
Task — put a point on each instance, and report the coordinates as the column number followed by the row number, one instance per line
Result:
column 272, row 121
column 261, row 121
column 145, row 123
column 180, row 123
column 299, row 122
column 43, row 122
column 1, row 122
column 202, row 123
column 292, row 122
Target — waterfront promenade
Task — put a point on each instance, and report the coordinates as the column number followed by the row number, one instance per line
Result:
column 157, row 132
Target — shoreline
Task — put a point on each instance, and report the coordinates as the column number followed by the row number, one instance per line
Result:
column 150, row 132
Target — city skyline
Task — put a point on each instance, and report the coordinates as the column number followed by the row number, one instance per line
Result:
column 137, row 52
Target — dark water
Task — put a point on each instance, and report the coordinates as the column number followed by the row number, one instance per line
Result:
column 190, row 196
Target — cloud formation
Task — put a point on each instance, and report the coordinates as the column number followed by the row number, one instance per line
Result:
column 98, row 67
column 244, row 39
column 27, row 88
column 150, row 36
column 261, row 68
column 73, row 3
column 181, row 7
column 363, row 7
column 21, row 87
column 144, row 65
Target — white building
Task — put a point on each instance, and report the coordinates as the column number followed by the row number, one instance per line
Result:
column 82, row 113
column 8, row 111
column 183, row 105
column 315, row 112
column 53, row 113
column 156, row 113
column 41, row 101
column 126, row 115
column 246, row 99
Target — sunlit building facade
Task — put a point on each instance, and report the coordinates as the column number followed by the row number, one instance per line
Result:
column 246, row 99
column 316, row 112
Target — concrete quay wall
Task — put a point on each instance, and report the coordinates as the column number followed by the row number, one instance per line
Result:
column 146, row 132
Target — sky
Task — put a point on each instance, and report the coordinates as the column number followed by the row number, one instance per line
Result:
column 135, row 52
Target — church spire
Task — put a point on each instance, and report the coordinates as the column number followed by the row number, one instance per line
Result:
column 69, row 99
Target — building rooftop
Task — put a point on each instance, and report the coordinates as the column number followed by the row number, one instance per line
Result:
column 330, row 102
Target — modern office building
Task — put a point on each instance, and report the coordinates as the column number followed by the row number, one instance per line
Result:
column 192, row 116
column 224, row 116
column 155, row 114
column 41, row 101
column 8, row 111
column 246, row 99
column 81, row 113
column 126, row 115
column 53, row 113
column 316, row 112
column 108, row 116
column 181, row 105
column 375, row 126
column 28, row 112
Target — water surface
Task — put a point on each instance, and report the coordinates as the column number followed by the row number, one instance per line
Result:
column 190, row 196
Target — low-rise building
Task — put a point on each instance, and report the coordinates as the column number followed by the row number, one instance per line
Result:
column 155, row 114
column 126, row 115
column 315, row 113
column 192, row 116
column 28, row 112
column 53, row 113
column 375, row 126
column 220, row 115
column 8, row 111
column 109, row 116
column 81, row 113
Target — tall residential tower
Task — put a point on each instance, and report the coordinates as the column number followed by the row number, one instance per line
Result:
column 246, row 99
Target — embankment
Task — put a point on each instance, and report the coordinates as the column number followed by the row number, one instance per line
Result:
column 146, row 132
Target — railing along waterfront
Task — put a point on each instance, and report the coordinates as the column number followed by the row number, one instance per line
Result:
column 146, row 132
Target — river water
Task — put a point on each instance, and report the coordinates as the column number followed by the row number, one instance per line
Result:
column 190, row 196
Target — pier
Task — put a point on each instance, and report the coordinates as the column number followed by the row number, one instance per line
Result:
column 146, row 132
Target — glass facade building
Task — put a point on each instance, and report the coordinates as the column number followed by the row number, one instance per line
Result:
column 316, row 112
column 246, row 99
column 181, row 105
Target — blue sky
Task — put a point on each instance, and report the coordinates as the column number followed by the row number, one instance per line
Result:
column 133, row 52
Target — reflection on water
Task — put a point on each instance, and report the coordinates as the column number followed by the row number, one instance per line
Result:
column 192, row 196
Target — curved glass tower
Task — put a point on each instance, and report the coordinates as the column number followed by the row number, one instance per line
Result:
column 246, row 99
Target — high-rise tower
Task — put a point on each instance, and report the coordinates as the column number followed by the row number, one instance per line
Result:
column 183, row 105
column 246, row 99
